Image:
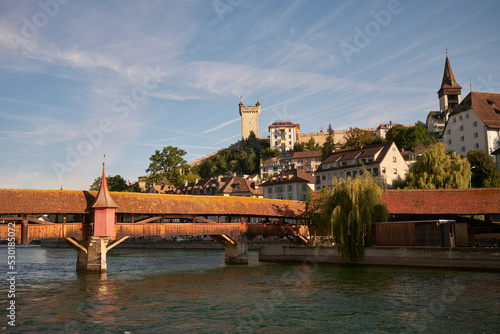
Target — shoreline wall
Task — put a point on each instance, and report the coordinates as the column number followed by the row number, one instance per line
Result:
column 436, row 257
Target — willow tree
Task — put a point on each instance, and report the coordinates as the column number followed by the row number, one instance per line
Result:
column 351, row 209
column 438, row 169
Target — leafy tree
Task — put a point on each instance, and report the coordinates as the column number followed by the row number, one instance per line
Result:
column 350, row 209
column 269, row 153
column 166, row 164
column 299, row 147
column 312, row 145
column 409, row 137
column 357, row 138
column 242, row 160
column 329, row 144
column 393, row 132
column 437, row 169
column 484, row 170
column 115, row 183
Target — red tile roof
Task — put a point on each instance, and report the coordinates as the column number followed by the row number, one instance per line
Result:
column 14, row 201
column 443, row 201
column 485, row 105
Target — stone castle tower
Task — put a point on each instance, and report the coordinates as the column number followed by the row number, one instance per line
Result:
column 249, row 119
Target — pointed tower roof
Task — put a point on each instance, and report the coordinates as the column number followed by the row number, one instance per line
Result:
column 103, row 199
column 449, row 81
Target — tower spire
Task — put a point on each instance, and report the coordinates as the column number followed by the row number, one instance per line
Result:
column 450, row 91
column 103, row 199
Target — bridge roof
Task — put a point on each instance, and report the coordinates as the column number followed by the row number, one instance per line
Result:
column 443, row 201
column 28, row 201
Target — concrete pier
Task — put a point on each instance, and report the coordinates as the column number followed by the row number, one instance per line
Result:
column 436, row 257
column 236, row 253
column 93, row 260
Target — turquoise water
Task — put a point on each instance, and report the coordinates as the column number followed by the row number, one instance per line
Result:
column 193, row 291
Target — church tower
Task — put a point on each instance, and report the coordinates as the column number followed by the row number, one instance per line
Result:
column 249, row 119
column 450, row 92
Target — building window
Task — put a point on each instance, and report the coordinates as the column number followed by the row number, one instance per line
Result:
column 318, row 180
column 348, row 174
column 454, row 120
column 449, row 131
column 304, row 187
column 462, row 149
column 462, row 138
column 269, row 190
column 394, row 171
column 344, row 163
column 289, row 136
column 461, row 128
column 460, row 118
column 449, row 141
column 289, row 130
column 289, row 187
column 323, row 177
column 467, row 115
column 476, row 145
column 383, row 170
column 474, row 124
column 475, row 135
column 375, row 171
column 289, row 143
column 394, row 159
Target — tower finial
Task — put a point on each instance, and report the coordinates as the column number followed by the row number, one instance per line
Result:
column 104, row 159
column 470, row 82
column 446, row 52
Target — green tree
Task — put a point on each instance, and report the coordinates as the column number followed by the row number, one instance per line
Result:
column 437, row 169
column 329, row 144
column 484, row 170
column 350, row 209
column 166, row 164
column 357, row 138
column 312, row 145
column 299, row 147
column 413, row 136
column 393, row 132
column 115, row 183
column 269, row 153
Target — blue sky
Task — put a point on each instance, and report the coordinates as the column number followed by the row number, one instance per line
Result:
column 80, row 79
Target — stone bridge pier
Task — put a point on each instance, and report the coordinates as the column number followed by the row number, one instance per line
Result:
column 236, row 251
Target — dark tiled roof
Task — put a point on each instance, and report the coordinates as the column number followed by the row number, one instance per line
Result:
column 14, row 201
column 290, row 176
column 449, row 81
column 443, row 201
column 485, row 105
column 357, row 153
column 306, row 155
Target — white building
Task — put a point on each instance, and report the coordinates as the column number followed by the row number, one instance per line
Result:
column 283, row 135
column 381, row 160
column 306, row 161
column 474, row 124
column 292, row 185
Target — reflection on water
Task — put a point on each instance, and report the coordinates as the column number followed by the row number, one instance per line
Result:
column 194, row 291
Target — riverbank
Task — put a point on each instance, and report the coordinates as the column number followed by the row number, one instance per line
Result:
column 435, row 257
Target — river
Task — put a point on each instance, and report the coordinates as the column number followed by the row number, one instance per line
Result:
column 193, row 291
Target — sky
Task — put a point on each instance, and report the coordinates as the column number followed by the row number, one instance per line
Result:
column 84, row 79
